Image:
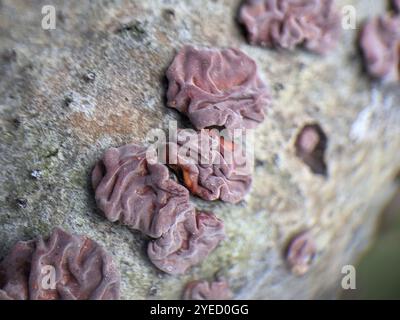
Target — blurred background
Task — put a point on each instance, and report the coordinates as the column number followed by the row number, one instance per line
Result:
column 378, row 270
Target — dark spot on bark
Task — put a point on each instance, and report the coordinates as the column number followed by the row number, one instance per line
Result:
column 260, row 163
column 60, row 16
column 301, row 66
column 21, row 203
column 353, row 56
column 311, row 144
column 279, row 87
column 9, row 55
column 153, row 291
column 89, row 76
column 51, row 153
column 168, row 14
column 135, row 28
column 68, row 99
column 16, row 122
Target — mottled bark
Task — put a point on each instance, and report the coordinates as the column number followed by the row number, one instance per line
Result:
column 98, row 81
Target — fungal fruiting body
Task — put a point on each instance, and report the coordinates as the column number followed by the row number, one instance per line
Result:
column 139, row 193
column 187, row 244
column 301, row 253
column 204, row 290
column 380, row 42
column 212, row 166
column 62, row 267
column 310, row 145
column 215, row 87
column 133, row 187
column 315, row 24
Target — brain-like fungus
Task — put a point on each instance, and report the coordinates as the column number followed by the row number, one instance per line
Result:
column 217, row 88
column 212, row 167
column 204, row 290
column 139, row 193
column 300, row 253
column 62, row 267
column 186, row 244
column 315, row 24
column 311, row 144
column 380, row 43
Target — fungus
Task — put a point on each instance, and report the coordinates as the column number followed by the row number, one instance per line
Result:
column 315, row 24
column 204, row 290
column 310, row 145
column 130, row 189
column 216, row 167
column 83, row 270
column 187, row 243
column 380, row 43
column 217, row 88
column 301, row 253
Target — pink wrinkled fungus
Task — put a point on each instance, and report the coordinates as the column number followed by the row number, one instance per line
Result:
column 217, row 88
column 216, row 167
column 315, row 24
column 301, row 253
column 380, row 43
column 83, row 270
column 204, row 290
column 187, row 244
column 137, row 193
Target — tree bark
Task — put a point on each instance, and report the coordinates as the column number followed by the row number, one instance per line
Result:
column 97, row 80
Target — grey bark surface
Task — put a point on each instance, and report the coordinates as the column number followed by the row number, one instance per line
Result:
column 55, row 120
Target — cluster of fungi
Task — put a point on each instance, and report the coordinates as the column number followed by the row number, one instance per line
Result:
column 136, row 189
column 214, row 88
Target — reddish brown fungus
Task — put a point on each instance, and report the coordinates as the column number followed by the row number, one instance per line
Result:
column 187, row 243
column 81, row 268
column 217, row 88
column 380, row 45
column 310, row 145
column 134, row 189
column 204, row 290
column 140, row 194
column 289, row 23
column 301, row 253
column 215, row 168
